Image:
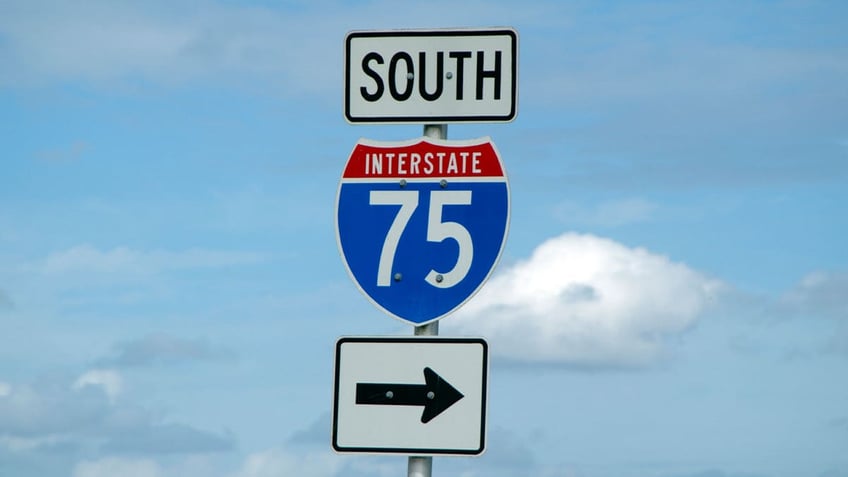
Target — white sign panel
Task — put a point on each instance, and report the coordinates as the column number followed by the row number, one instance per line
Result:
column 410, row 395
column 435, row 76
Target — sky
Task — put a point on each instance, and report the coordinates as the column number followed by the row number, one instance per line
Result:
column 671, row 301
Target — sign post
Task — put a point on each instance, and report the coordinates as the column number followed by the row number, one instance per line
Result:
column 422, row 466
column 420, row 226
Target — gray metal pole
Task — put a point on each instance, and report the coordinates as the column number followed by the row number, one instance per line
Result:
column 436, row 131
column 420, row 466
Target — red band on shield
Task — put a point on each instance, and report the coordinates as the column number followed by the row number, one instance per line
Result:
column 423, row 160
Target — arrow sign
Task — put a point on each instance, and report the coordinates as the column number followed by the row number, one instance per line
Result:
column 381, row 404
column 436, row 395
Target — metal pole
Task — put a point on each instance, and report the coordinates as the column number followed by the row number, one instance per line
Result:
column 421, row 466
column 436, row 131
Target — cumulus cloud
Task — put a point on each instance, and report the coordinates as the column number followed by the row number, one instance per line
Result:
column 586, row 301
column 162, row 348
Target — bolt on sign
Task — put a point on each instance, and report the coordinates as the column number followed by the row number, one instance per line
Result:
column 435, row 76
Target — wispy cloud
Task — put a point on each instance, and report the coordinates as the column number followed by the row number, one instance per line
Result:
column 5, row 302
column 813, row 312
column 91, row 412
column 112, row 466
column 284, row 462
column 109, row 380
column 44, row 409
column 586, row 301
column 161, row 349
column 87, row 259
column 169, row 438
column 840, row 423
column 298, row 48
column 661, row 98
column 819, row 294
column 68, row 153
column 605, row 214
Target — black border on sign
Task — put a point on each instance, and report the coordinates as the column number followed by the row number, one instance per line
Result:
column 433, row 119
column 403, row 450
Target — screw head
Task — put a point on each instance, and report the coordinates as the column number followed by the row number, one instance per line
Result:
column 398, row 277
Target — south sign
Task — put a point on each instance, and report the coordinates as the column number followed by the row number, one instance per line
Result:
column 437, row 76
column 421, row 224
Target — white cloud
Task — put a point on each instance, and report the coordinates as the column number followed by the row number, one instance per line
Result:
column 5, row 389
column 586, row 301
column 107, row 379
column 113, row 466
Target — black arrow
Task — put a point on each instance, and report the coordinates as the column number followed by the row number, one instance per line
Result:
column 436, row 395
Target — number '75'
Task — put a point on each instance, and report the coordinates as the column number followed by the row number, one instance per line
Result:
column 437, row 231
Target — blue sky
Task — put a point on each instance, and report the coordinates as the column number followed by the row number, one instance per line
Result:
column 672, row 300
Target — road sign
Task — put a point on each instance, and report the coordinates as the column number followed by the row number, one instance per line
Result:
column 410, row 395
column 421, row 224
column 435, row 76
